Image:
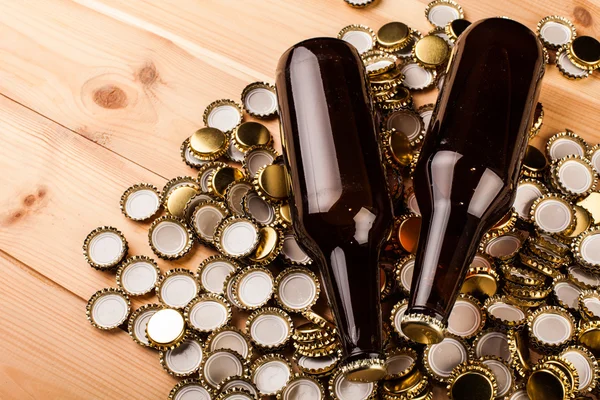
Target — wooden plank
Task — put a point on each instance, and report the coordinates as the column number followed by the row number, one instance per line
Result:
column 50, row 351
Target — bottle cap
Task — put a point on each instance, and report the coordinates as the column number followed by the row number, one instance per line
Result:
column 269, row 246
column 503, row 246
column 297, row 289
column 208, row 144
column 583, row 278
column 589, row 304
column 467, row 318
column 534, row 163
column 270, row 373
column 234, row 195
column 364, row 370
column 312, row 331
column 138, row 322
column 584, row 222
column 360, row 36
column 400, row 362
column 378, row 62
column 538, row 264
column 441, row 33
column 190, row 206
column 228, row 289
column 206, row 217
column 573, row 175
column 219, row 365
column 589, row 335
column 455, row 27
column 409, row 227
column 253, row 287
column 140, row 202
column 221, row 178
column 547, row 253
column 249, row 134
column 416, row 77
column 170, row 238
column 233, row 153
column 586, row 248
column 584, row 52
column 238, row 383
column 501, row 312
column 564, row 144
column 592, row 204
column 105, row 247
column 528, row 191
column 491, row 342
column 431, row 51
column 320, row 348
column 555, row 31
column 553, row 214
column 586, row 365
column 518, row 347
column 408, row 122
column 189, row 387
column 292, row 253
column 522, row 276
column 406, row 52
column 177, row 287
column 257, row 157
column 207, row 312
column 410, row 200
column 552, row 377
column 188, row 156
column 480, row 281
column 229, row 337
column 178, row 198
column 507, row 223
column 412, row 386
column 396, row 318
column 593, row 154
column 271, row 183
column 526, row 292
column 566, row 294
column 236, row 237
column 236, row 394
column 441, row 12
column 259, row 209
column 426, row 112
column 165, row 329
column 205, row 172
column 472, row 377
column 185, row 359
column 341, row 388
column 108, row 308
column 567, row 68
column 404, row 268
column 302, row 387
column 269, row 327
column 551, row 327
column 441, row 358
column 397, row 149
column 317, row 366
column 177, row 182
column 138, row 275
column 552, row 243
column 358, row 3
column 223, row 114
column 505, row 378
column 260, row 100
column 388, row 83
column 393, row 36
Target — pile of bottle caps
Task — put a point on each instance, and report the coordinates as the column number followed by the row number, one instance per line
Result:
column 528, row 316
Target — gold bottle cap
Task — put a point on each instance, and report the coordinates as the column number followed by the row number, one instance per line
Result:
column 483, row 261
column 553, row 214
column 140, row 202
column 234, row 195
column 410, row 200
column 589, row 335
column 269, row 246
column 573, row 175
column 432, row 51
column 108, row 308
column 359, row 3
column 507, row 223
column 584, row 52
column 138, row 322
column 491, row 342
column 441, row 358
column 170, row 238
column 400, row 362
column 416, row 77
column 223, row 114
column 206, row 171
column 302, row 387
column 236, row 394
column 441, row 33
column 412, row 386
column 404, row 268
column 297, row 289
column 406, row 53
column 526, row 292
column 505, row 378
column 253, row 287
column 232, row 338
column 271, row 373
column 393, row 36
column 584, row 222
column 409, row 227
column 467, row 318
column 188, row 156
column 190, row 206
column 528, row 191
column 408, row 122
column 292, row 253
column 396, row 318
column 271, row 183
column 583, row 278
column 207, row 312
column 228, row 289
column 249, row 134
column 562, row 370
column 238, row 383
column 180, row 181
column 534, row 163
column 178, row 198
column 379, row 62
column 206, row 217
column 470, row 380
column 566, row 294
column 567, row 68
column 382, row 96
column 259, row 209
column 177, row 287
column 501, row 245
column 342, row 388
column 223, row 177
column 586, row 248
column 311, row 332
column 185, row 359
column 219, row 365
column 260, row 100
column 589, row 304
column 397, row 149
column 189, row 387
column 586, row 366
column 556, row 31
column 551, row 327
column 387, row 85
column 105, row 247
column 165, row 329
column 236, row 237
column 518, row 347
column 321, row 348
column 208, row 144
column 257, row 157
column 519, row 394
column 480, row 281
column 426, row 112
column 593, row 154
column 455, row 27
column 317, row 366
column 233, row 153
column 441, row 12
column 501, row 312
column 365, row 370
column 592, row 204
column 522, row 276
column 138, row 275
column 360, row 36
column 565, row 144
column 547, row 253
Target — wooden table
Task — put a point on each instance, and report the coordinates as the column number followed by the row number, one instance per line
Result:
column 98, row 95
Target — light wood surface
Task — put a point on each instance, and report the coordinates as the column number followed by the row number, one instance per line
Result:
column 97, row 95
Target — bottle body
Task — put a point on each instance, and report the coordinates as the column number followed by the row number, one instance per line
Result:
column 466, row 176
column 340, row 204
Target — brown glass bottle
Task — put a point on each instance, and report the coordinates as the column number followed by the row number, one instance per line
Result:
column 467, row 172
column 340, row 204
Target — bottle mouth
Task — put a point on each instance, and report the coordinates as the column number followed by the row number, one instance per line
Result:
column 422, row 328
